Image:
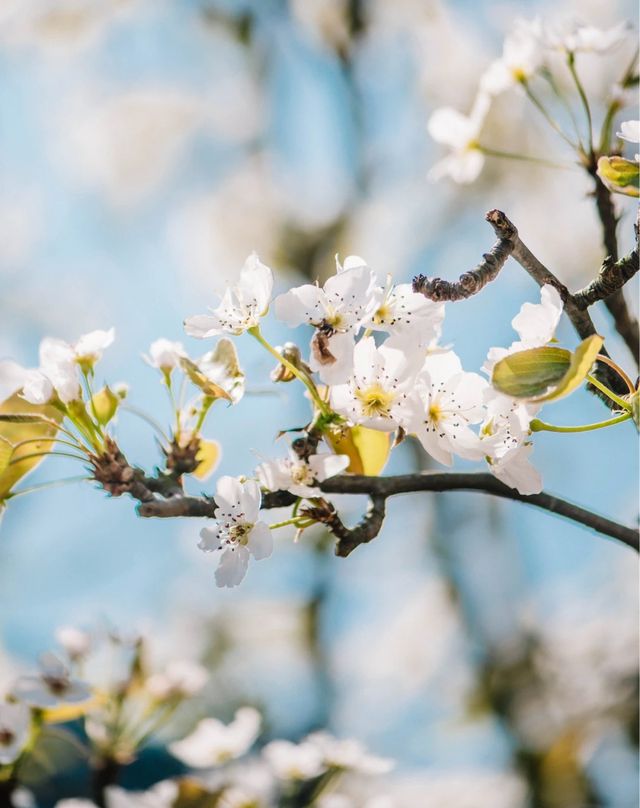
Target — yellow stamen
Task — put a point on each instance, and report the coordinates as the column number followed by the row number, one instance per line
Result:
column 375, row 400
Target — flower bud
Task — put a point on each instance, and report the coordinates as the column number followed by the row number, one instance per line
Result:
column 291, row 353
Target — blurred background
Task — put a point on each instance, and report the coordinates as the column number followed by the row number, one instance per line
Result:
column 146, row 147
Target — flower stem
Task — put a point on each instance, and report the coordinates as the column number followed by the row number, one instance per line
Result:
column 550, row 120
column 298, row 521
column 548, row 76
column 151, row 421
column 74, row 445
column 525, row 157
column 571, row 61
column 206, row 406
column 45, row 454
column 255, row 332
column 541, row 426
column 43, row 486
column 609, row 393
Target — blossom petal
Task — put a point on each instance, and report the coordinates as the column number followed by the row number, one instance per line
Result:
column 260, row 541
column 233, row 566
column 202, row 326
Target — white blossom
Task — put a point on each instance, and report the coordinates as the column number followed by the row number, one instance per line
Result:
column 535, row 323
column 221, row 366
column 504, row 435
column 291, row 761
column 336, row 310
column 74, row 641
column 348, row 754
column 15, row 723
column 12, row 378
column 514, row 469
column 179, row 679
column 461, row 134
column 213, row 743
column 403, row 312
column 578, row 38
column 242, row 305
column 377, row 391
column 630, row 131
column 300, row 476
column 522, row 56
column 161, row 795
column 37, row 388
column 165, row 354
column 88, row 349
column 238, row 533
column 58, row 366
column 444, row 404
column 52, row 687
column 57, row 372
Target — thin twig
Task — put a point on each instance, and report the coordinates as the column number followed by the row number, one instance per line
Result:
column 579, row 317
column 612, row 276
column 626, row 325
column 469, row 283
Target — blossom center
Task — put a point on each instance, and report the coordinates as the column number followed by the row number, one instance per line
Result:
column 239, row 533
column 333, row 318
column 6, row 737
column 56, row 684
column 375, row 400
column 435, row 412
column 301, row 474
column 383, row 314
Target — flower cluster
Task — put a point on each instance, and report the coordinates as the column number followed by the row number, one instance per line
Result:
column 375, row 374
column 530, row 54
column 126, row 697
column 374, row 366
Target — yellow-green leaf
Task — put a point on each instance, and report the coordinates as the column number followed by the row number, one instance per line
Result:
column 634, row 399
column 104, row 405
column 620, row 175
column 367, row 449
column 208, row 457
column 20, row 421
column 6, row 450
column 205, row 384
column 547, row 373
column 530, row 373
column 581, row 363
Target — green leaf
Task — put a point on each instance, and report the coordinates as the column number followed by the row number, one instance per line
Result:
column 634, row 398
column 530, row 373
column 104, row 405
column 620, row 175
column 208, row 457
column 21, row 421
column 367, row 449
column 547, row 373
column 582, row 361
column 23, row 417
column 6, row 451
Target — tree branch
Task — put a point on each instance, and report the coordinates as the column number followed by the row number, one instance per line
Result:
column 612, row 276
column 469, row 283
column 381, row 488
column 510, row 244
column 626, row 325
column 579, row 317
